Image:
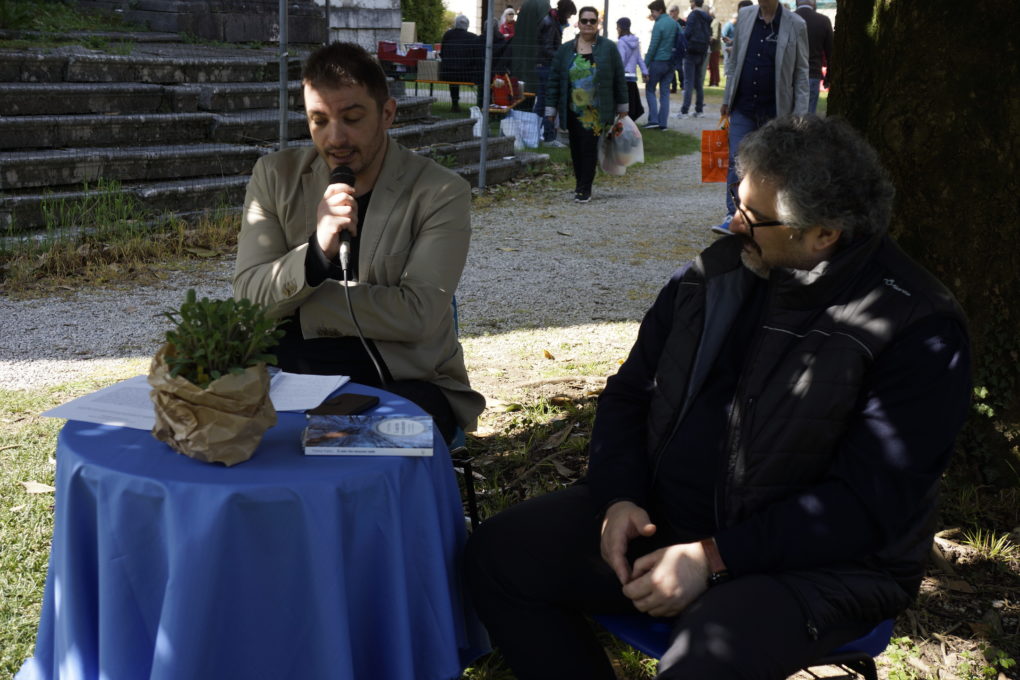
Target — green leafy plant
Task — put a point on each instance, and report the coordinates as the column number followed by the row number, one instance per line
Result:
column 212, row 338
column 427, row 16
column 896, row 655
column 446, row 160
column 15, row 15
column 998, row 659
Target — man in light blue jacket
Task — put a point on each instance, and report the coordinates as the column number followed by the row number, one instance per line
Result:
column 766, row 77
column 660, row 65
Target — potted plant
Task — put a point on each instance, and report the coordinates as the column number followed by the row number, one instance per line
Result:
column 209, row 379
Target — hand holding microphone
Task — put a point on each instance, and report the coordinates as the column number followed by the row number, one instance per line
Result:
column 337, row 216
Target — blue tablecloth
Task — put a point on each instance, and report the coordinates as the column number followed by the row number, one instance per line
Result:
column 284, row 566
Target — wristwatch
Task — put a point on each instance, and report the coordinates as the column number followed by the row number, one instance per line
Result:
column 717, row 571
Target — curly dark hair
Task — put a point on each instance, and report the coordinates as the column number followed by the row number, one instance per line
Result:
column 343, row 64
column 824, row 171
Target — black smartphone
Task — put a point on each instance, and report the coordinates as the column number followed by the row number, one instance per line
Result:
column 345, row 405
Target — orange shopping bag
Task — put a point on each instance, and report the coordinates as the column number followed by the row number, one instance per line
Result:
column 715, row 153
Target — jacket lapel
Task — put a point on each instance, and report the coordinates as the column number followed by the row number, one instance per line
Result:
column 746, row 21
column 314, row 180
column 384, row 200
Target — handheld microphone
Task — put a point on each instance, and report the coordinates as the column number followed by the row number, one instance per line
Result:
column 342, row 174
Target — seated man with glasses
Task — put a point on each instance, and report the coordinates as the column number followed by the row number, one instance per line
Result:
column 764, row 467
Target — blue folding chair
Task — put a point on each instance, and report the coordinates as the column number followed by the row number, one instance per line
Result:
column 650, row 635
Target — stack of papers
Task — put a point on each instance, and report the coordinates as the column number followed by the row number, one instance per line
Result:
column 127, row 403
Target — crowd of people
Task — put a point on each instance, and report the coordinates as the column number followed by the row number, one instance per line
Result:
column 763, row 468
column 775, row 61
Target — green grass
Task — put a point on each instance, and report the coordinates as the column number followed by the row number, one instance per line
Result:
column 990, row 544
column 27, row 446
column 27, row 443
column 106, row 237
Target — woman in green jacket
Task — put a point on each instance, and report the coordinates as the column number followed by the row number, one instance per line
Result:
column 588, row 88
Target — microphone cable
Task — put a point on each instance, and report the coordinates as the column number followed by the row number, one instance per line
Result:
column 343, row 175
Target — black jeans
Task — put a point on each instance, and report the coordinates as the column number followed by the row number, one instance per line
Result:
column 584, row 153
column 534, row 571
column 637, row 109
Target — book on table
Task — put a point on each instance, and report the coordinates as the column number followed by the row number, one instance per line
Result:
column 365, row 435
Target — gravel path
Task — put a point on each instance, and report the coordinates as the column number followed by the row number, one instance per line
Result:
column 542, row 272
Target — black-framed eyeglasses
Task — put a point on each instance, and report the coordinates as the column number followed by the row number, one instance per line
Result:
column 588, row 22
column 751, row 225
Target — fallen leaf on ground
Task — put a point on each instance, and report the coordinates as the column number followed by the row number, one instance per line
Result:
column 563, row 469
column 548, row 354
column 558, row 438
column 960, row 586
column 36, row 487
column 564, row 233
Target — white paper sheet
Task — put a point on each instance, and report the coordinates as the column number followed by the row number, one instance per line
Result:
column 127, row 403
column 300, row 392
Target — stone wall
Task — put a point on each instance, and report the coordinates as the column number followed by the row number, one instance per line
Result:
column 364, row 22
column 232, row 21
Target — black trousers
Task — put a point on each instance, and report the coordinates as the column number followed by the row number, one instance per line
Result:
column 584, row 153
column 637, row 109
column 534, row 572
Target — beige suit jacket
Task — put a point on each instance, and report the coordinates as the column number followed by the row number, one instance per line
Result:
column 414, row 242
column 791, row 60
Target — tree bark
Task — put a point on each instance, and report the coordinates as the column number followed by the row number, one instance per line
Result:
column 935, row 86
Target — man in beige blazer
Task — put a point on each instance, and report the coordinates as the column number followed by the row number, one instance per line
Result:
column 409, row 223
column 766, row 77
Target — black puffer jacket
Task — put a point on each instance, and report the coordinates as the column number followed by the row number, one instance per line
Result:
column 804, row 387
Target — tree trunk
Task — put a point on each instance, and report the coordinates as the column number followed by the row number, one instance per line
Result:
column 935, row 87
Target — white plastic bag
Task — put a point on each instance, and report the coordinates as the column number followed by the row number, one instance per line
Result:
column 476, row 115
column 525, row 127
column 620, row 147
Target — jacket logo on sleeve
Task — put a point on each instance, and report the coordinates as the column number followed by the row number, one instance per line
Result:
column 892, row 284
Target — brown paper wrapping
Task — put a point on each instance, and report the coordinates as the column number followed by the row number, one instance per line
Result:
column 223, row 423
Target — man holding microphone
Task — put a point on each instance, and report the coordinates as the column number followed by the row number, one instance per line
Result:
column 408, row 219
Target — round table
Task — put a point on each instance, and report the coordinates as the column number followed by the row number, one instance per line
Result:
column 284, row 566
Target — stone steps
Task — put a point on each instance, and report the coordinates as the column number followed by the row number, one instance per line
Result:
column 18, row 208
column 175, row 125
column 51, row 99
column 59, row 167
column 54, row 167
column 79, row 65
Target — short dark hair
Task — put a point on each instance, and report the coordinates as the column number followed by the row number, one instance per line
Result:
column 343, row 64
column 699, row 3
column 657, row 6
column 565, row 8
column 825, row 174
column 588, row 8
column 744, row 3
